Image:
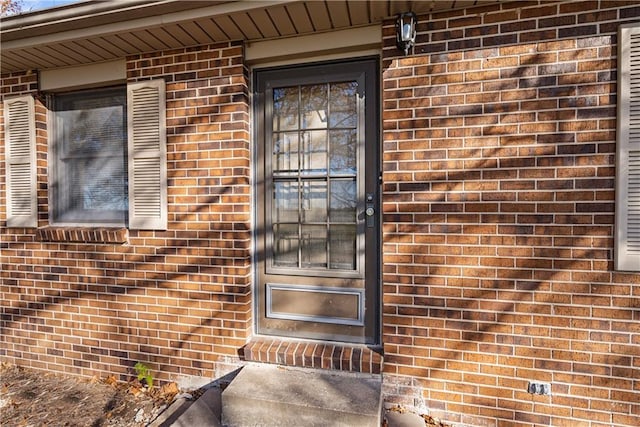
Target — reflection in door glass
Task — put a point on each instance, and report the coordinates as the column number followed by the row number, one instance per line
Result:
column 342, row 207
column 285, row 153
column 285, row 109
column 314, row 154
column 285, row 202
column 314, row 201
column 314, row 106
column 286, row 245
column 314, row 246
column 342, row 240
column 343, row 148
column 344, row 113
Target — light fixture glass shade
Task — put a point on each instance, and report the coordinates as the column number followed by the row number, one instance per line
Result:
column 406, row 31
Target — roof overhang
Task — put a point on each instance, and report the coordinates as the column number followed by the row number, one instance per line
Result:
column 98, row 31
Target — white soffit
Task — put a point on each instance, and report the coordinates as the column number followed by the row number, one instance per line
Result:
column 80, row 76
column 77, row 34
column 349, row 40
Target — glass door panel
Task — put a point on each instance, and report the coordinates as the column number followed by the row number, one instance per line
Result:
column 314, row 171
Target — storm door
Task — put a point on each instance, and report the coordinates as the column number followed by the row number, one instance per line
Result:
column 318, row 182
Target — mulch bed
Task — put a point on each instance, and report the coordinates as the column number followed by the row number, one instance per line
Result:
column 35, row 398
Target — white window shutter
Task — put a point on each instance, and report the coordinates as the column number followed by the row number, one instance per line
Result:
column 627, row 250
column 20, row 162
column 147, row 155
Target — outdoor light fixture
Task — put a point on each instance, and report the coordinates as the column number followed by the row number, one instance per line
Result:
column 406, row 31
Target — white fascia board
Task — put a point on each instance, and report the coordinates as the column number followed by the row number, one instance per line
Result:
column 369, row 37
column 81, row 76
column 138, row 24
column 56, row 14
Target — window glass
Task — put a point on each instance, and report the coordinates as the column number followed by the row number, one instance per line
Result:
column 314, row 181
column 90, row 171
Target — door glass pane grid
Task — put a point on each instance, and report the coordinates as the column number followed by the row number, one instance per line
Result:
column 314, row 171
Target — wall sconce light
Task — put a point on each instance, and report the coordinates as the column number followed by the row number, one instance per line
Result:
column 406, row 31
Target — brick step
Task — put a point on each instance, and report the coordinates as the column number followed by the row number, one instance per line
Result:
column 308, row 354
column 269, row 395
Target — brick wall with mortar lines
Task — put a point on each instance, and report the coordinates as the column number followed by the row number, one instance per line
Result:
column 499, row 146
column 177, row 300
column 499, row 167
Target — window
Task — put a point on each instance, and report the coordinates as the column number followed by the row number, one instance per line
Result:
column 627, row 234
column 89, row 182
column 108, row 160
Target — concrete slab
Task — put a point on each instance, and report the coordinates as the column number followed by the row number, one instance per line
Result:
column 204, row 412
column 268, row 395
column 172, row 413
column 396, row 419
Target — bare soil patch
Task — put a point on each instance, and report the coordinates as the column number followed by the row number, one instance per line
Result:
column 35, row 398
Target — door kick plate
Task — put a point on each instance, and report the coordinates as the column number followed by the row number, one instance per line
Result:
column 343, row 306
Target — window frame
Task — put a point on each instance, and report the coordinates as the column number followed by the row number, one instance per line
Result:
column 117, row 218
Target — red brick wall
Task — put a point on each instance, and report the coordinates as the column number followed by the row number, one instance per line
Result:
column 499, row 155
column 178, row 300
column 499, row 150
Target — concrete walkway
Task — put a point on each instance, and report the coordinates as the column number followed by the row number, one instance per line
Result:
column 269, row 395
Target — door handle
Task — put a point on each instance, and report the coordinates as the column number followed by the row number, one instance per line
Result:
column 370, row 211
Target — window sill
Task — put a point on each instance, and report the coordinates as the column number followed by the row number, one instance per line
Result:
column 83, row 234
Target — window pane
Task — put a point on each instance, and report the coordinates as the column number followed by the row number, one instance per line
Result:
column 343, row 105
column 285, row 109
column 342, row 244
column 314, row 201
column 343, row 201
column 343, row 145
column 93, row 131
column 90, row 165
column 285, row 245
column 314, row 155
column 314, row 246
column 285, row 201
column 285, row 153
column 314, row 102
column 98, row 184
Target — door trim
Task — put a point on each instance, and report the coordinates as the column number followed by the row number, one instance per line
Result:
column 340, row 44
